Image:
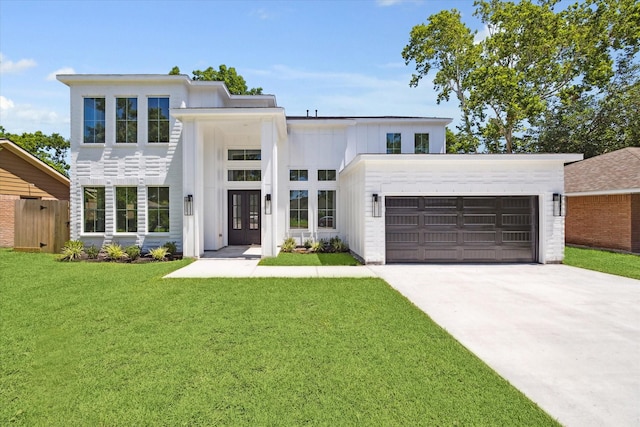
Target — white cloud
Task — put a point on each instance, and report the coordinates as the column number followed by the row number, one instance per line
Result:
column 64, row 70
column 262, row 14
column 481, row 35
column 7, row 66
column 5, row 104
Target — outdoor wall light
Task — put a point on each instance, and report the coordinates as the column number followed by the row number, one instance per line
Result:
column 375, row 207
column 558, row 209
column 267, row 204
column 188, row 205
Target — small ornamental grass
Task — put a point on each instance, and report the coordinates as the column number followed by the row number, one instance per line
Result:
column 72, row 250
column 114, row 252
column 159, row 254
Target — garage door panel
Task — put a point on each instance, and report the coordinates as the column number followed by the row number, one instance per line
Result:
column 461, row 229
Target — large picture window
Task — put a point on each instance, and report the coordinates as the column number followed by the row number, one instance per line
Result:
column 158, row 209
column 326, row 209
column 94, row 120
column 94, row 209
column 299, row 209
column 394, row 143
column 421, row 143
column 126, row 209
column 158, row 119
column 127, row 120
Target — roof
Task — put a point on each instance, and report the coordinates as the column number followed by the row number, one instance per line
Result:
column 617, row 172
column 33, row 160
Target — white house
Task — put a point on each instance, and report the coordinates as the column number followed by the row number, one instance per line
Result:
column 158, row 158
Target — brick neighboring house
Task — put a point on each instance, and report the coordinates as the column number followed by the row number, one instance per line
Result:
column 24, row 176
column 603, row 201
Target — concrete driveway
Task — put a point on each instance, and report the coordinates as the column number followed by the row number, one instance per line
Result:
column 568, row 338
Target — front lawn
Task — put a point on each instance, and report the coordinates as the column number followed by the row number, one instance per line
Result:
column 607, row 262
column 114, row 344
column 300, row 259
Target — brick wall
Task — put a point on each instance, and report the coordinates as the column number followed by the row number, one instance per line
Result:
column 635, row 223
column 600, row 221
column 7, row 215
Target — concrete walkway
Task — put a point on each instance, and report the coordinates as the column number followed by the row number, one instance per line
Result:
column 567, row 338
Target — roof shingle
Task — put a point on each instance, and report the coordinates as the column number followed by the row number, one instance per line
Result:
column 615, row 171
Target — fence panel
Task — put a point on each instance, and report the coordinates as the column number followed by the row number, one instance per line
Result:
column 41, row 225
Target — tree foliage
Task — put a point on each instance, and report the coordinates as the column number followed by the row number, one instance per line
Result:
column 234, row 81
column 532, row 58
column 51, row 149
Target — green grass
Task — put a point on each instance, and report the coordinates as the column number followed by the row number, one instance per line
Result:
column 607, row 262
column 114, row 344
column 296, row 259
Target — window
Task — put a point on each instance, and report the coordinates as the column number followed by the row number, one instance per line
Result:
column 244, row 155
column 298, row 209
column 298, row 175
column 244, row 175
column 158, row 120
column 326, row 174
column 393, row 143
column 126, row 209
column 326, row 208
column 158, row 209
column 127, row 120
column 422, row 143
column 94, row 209
column 94, row 120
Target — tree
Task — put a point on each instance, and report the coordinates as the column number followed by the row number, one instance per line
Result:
column 532, row 57
column 234, row 81
column 594, row 124
column 51, row 149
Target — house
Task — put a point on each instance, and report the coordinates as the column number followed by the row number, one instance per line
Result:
column 603, row 201
column 24, row 176
column 157, row 158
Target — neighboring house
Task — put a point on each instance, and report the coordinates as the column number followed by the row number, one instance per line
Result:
column 157, row 158
column 24, row 176
column 603, row 201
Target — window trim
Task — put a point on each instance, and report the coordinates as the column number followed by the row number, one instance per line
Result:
column 127, row 121
column 97, row 209
column 295, row 175
column 126, row 210
column 168, row 209
column 94, row 121
column 149, row 120
column 298, row 210
column 334, row 210
column 415, row 143
column 326, row 178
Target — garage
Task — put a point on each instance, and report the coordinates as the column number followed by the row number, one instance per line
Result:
column 461, row 229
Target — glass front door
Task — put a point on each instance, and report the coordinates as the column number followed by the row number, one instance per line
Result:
column 244, row 217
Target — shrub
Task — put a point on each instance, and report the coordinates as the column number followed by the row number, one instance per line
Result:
column 159, row 253
column 114, row 252
column 133, row 252
column 72, row 250
column 317, row 246
column 338, row 245
column 171, row 247
column 92, row 252
column 308, row 243
column 288, row 245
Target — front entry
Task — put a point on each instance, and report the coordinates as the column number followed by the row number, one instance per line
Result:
column 244, row 217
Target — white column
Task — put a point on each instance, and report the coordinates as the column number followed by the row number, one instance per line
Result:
column 269, row 166
column 188, row 187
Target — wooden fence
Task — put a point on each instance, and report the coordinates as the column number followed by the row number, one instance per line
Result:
column 41, row 225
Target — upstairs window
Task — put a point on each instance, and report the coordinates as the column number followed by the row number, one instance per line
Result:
column 158, row 119
column 421, row 143
column 298, row 175
column 244, row 175
column 393, row 143
column 94, row 209
column 326, row 174
column 94, row 120
column 244, row 155
column 127, row 120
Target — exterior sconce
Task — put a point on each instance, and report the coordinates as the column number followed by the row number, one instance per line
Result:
column 558, row 208
column 188, row 205
column 267, row 204
column 375, row 206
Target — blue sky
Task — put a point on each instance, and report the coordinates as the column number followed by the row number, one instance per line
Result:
column 339, row 57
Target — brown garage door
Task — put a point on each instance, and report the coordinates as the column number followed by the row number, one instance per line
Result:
column 461, row 229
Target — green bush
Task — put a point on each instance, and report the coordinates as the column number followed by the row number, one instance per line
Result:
column 288, row 245
column 72, row 250
column 159, row 254
column 133, row 252
column 92, row 252
column 308, row 243
column 316, row 246
column 114, row 252
column 171, row 247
